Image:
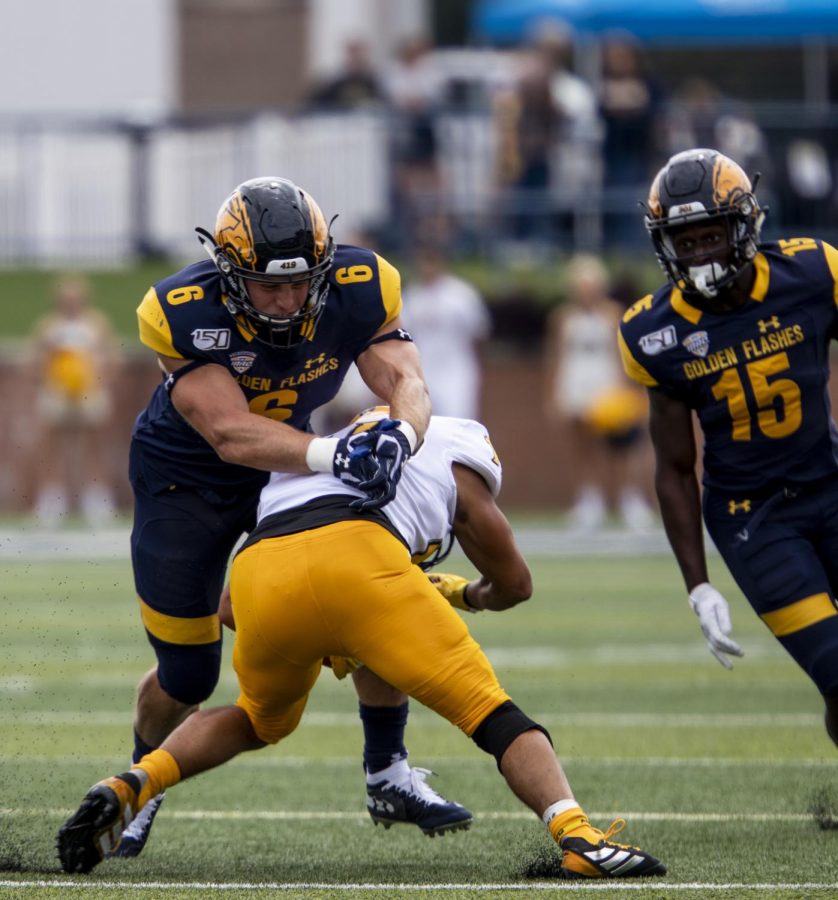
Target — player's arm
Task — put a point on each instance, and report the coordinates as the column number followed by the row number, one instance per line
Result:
column 487, row 540
column 676, row 484
column 677, row 488
column 214, row 405
column 392, row 370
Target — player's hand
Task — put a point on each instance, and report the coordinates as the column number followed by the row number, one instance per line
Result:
column 714, row 617
column 391, row 448
column 453, row 588
column 341, row 666
column 353, row 462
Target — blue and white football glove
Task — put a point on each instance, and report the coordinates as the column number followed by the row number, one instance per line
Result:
column 391, row 442
column 353, row 462
column 348, row 458
column 371, row 460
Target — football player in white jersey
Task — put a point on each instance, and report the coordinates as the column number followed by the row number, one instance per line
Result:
column 324, row 575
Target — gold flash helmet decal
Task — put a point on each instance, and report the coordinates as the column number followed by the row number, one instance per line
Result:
column 729, row 181
column 233, row 233
column 653, row 204
column 319, row 227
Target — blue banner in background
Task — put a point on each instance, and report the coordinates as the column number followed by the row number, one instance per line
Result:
column 684, row 21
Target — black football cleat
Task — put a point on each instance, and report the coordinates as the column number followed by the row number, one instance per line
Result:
column 95, row 828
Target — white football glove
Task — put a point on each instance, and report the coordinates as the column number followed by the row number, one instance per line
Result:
column 714, row 616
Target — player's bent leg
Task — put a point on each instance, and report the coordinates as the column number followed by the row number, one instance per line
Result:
column 396, row 792
column 166, row 696
column 157, row 713
column 526, row 760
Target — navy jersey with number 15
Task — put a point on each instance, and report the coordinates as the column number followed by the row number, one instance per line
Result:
column 756, row 376
column 184, row 317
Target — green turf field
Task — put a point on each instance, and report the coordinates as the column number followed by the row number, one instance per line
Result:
column 714, row 771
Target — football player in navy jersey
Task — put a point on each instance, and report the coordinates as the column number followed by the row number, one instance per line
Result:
column 741, row 336
column 250, row 343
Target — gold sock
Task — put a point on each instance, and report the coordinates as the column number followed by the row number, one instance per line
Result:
column 564, row 823
column 162, row 770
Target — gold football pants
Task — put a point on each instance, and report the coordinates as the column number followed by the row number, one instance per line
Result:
column 349, row 589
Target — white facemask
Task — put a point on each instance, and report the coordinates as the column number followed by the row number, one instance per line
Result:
column 706, row 277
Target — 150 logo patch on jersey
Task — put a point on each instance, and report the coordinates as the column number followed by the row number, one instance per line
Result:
column 211, row 338
column 658, row 341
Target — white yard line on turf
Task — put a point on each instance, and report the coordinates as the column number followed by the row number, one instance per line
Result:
column 268, row 815
column 336, row 762
column 610, row 885
column 49, row 717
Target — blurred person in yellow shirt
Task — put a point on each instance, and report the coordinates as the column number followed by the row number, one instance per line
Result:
column 602, row 416
column 75, row 359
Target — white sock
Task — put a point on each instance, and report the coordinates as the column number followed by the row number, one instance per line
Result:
column 556, row 809
column 397, row 773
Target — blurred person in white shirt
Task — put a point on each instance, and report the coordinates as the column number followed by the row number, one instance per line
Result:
column 448, row 320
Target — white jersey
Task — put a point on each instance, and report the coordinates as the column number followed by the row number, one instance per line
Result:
column 423, row 509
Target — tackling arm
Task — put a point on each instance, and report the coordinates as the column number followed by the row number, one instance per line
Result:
column 487, row 540
column 393, row 371
column 214, row 405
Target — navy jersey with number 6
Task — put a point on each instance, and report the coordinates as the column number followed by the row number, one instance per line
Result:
column 756, row 376
column 184, row 317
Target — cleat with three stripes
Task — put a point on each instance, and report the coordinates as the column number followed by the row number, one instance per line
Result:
column 603, row 858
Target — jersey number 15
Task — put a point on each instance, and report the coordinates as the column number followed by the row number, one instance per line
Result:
column 778, row 412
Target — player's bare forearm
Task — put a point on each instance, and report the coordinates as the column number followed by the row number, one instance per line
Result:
column 487, row 540
column 671, row 428
column 680, row 505
column 214, row 405
column 411, row 402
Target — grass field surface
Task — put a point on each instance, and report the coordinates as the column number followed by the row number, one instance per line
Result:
column 714, row 771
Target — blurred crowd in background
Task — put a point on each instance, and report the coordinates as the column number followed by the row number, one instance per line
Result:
column 524, row 288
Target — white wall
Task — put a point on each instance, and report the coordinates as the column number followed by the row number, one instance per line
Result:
column 99, row 57
column 381, row 23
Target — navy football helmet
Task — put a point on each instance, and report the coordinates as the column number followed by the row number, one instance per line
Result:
column 702, row 187
column 270, row 230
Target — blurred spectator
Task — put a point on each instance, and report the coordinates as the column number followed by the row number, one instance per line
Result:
column 357, row 85
column 702, row 116
column 448, row 320
column 630, row 104
column 74, row 361
column 601, row 415
column 414, row 88
column 528, row 123
column 576, row 155
column 807, row 188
